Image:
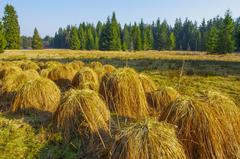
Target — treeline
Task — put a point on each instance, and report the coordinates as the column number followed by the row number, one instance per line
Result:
column 220, row 34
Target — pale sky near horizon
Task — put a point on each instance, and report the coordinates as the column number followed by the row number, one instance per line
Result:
column 49, row 15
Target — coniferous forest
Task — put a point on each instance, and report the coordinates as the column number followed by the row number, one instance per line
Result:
column 217, row 35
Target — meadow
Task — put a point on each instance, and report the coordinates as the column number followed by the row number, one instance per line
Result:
column 180, row 98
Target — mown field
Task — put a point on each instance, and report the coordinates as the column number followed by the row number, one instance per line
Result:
column 189, row 73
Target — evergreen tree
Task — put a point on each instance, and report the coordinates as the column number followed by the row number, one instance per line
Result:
column 163, row 36
column 226, row 43
column 126, row 39
column 237, row 34
column 150, row 39
column 82, row 37
column 136, row 35
column 74, row 40
column 212, row 40
column 172, row 41
column 11, row 27
column 105, row 37
column 115, row 42
column 2, row 39
column 90, row 44
column 178, row 33
column 36, row 40
column 143, row 36
column 203, row 36
column 26, row 42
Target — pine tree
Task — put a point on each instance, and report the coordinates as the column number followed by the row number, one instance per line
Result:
column 226, row 43
column 126, row 39
column 36, row 40
column 74, row 40
column 105, row 37
column 143, row 36
column 172, row 42
column 178, row 33
column 11, row 27
column 115, row 42
column 90, row 39
column 136, row 35
column 163, row 36
column 2, row 39
column 212, row 40
column 82, row 37
column 237, row 33
column 150, row 39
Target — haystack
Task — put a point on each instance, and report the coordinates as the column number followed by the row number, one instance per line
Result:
column 100, row 73
column 160, row 99
column 6, row 70
column 51, row 64
column 27, row 65
column 77, row 65
column 147, row 140
column 124, row 93
column 62, row 76
column 80, row 113
column 147, row 83
column 109, row 68
column 95, row 65
column 37, row 95
column 201, row 133
column 86, row 78
column 44, row 72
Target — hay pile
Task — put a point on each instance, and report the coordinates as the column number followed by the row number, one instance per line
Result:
column 81, row 111
column 158, row 100
column 7, row 70
column 124, row 93
column 109, row 68
column 147, row 83
column 37, row 95
column 51, row 64
column 77, row 65
column 95, row 65
column 62, row 76
column 147, row 140
column 29, row 65
column 100, row 73
column 86, row 78
column 200, row 131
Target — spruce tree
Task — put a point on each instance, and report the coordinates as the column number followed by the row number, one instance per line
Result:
column 105, row 37
column 150, row 39
column 115, row 42
column 212, row 40
column 11, row 27
column 90, row 39
column 136, row 35
column 2, row 39
column 163, row 36
column 171, row 42
column 226, row 43
column 126, row 39
column 143, row 36
column 36, row 41
column 74, row 40
column 82, row 37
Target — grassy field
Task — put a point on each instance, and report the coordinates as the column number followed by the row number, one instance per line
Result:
column 188, row 72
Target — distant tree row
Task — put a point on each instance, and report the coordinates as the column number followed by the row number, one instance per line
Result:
column 220, row 34
column 216, row 35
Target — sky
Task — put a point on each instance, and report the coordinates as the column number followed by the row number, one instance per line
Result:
column 49, row 15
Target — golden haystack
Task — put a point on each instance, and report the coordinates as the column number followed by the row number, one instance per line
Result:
column 147, row 140
column 201, row 133
column 100, row 73
column 95, row 65
column 27, row 65
column 81, row 111
column 32, row 72
column 6, row 70
column 228, row 114
column 51, row 64
column 124, row 93
column 86, row 78
column 62, row 76
column 44, row 72
column 77, row 65
column 158, row 100
column 109, row 68
column 37, row 95
column 147, row 83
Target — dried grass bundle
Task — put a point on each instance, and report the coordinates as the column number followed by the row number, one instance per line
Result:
column 147, row 83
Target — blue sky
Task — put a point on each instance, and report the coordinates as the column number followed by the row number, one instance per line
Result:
column 49, row 15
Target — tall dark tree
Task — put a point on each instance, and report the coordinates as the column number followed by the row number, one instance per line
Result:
column 143, row 36
column 90, row 44
column 136, row 35
column 203, row 36
column 105, row 37
column 126, row 39
column 163, row 36
column 74, row 40
column 237, row 33
column 226, row 43
column 178, row 33
column 150, row 39
column 171, row 41
column 82, row 37
column 36, row 41
column 115, row 42
column 11, row 27
column 2, row 39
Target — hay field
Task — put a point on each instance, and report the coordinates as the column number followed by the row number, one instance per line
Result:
column 127, row 105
